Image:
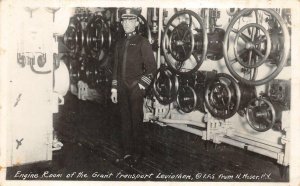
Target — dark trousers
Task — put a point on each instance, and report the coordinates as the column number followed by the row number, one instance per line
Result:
column 130, row 98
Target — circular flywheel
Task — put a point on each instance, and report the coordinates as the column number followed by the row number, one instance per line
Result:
column 184, row 42
column 222, row 96
column 260, row 114
column 165, row 86
column 249, row 51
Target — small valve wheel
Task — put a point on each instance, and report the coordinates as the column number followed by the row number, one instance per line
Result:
column 186, row 99
column 165, row 86
column 222, row 96
column 260, row 114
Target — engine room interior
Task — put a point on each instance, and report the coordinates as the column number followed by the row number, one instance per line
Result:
column 217, row 108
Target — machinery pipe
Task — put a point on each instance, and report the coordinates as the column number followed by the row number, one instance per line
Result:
column 257, row 144
column 251, row 148
column 247, row 136
column 185, row 122
column 187, row 129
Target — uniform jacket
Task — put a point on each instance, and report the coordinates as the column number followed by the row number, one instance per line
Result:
column 133, row 62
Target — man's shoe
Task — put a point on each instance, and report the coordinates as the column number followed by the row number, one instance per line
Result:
column 122, row 159
column 128, row 159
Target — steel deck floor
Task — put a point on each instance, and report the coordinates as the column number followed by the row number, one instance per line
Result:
column 90, row 134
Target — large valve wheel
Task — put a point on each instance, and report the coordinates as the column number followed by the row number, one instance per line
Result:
column 98, row 39
column 73, row 37
column 186, row 99
column 165, row 86
column 260, row 114
column 248, row 56
column 257, row 47
column 184, row 42
column 222, row 96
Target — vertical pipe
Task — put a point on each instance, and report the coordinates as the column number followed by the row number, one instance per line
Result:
column 117, row 16
column 160, row 29
column 154, row 17
column 287, row 147
column 208, row 127
column 147, row 22
column 206, row 17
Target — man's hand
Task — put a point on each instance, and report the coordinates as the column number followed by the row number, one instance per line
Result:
column 141, row 87
column 114, row 97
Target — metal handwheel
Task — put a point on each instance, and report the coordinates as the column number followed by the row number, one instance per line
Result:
column 165, row 86
column 248, row 56
column 98, row 38
column 186, row 99
column 257, row 47
column 222, row 96
column 184, row 42
column 260, row 114
column 73, row 37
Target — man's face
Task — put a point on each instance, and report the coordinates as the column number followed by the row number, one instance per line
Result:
column 129, row 24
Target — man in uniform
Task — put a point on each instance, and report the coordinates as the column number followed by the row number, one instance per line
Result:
column 133, row 70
